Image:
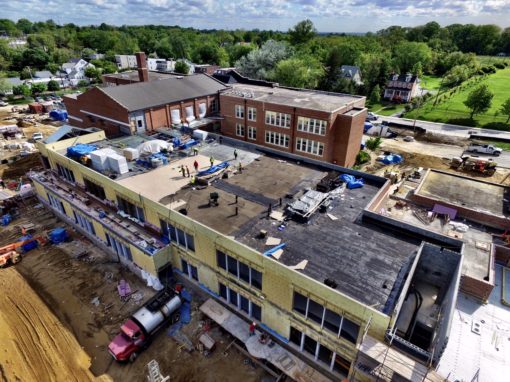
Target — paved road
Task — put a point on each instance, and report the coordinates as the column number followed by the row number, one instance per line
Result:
column 441, row 150
column 447, row 129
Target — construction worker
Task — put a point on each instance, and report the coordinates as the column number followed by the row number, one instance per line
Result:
column 187, row 171
column 183, row 170
column 211, row 159
column 193, row 180
column 195, row 151
column 252, row 328
column 240, row 167
column 235, row 154
column 195, row 164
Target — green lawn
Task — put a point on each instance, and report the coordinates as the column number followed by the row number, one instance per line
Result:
column 502, row 145
column 431, row 83
column 454, row 111
column 385, row 109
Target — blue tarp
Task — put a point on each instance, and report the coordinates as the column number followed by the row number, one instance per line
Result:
column 77, row 151
column 6, row 219
column 367, row 126
column 352, row 182
column 29, row 246
column 58, row 235
column 274, row 249
column 392, row 159
column 213, row 169
column 188, row 144
column 58, row 115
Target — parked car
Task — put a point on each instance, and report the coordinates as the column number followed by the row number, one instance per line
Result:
column 37, row 136
column 484, row 149
column 3, row 103
column 371, row 116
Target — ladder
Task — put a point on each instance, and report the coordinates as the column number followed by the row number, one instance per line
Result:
column 154, row 372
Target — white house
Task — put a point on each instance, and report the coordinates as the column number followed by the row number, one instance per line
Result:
column 73, row 71
column 160, row 65
column 126, row 61
column 352, row 73
column 401, row 87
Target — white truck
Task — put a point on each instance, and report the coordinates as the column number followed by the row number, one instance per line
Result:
column 484, row 149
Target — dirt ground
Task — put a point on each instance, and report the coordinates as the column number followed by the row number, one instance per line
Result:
column 67, row 285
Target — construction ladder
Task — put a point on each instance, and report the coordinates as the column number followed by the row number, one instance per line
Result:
column 154, row 372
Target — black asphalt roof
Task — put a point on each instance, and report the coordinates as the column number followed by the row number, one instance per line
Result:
column 144, row 95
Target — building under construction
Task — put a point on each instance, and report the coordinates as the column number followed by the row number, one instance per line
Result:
column 304, row 248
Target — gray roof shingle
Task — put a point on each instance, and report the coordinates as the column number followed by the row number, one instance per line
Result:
column 143, row 95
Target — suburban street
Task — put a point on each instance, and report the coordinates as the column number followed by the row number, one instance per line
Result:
column 447, row 129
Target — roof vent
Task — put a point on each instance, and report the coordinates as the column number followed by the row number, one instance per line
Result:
column 179, row 77
column 331, row 283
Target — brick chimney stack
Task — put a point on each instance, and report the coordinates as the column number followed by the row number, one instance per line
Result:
column 141, row 62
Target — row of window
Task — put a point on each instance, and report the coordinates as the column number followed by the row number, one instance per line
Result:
column 309, row 146
column 56, row 203
column 252, row 112
column 277, row 139
column 94, row 189
column 65, row 172
column 119, row 247
column 278, row 119
column 177, row 235
column 239, row 129
column 252, row 131
column 240, row 302
column 312, row 125
column 239, row 269
column 84, row 223
column 319, row 352
column 130, row 209
column 327, row 319
column 189, row 270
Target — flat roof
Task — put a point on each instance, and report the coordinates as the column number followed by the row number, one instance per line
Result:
column 465, row 192
column 307, row 99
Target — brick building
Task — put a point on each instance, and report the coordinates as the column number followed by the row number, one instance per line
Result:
column 319, row 125
column 146, row 105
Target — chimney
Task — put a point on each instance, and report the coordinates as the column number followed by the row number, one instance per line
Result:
column 141, row 62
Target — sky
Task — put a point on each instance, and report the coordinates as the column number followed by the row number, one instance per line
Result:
column 327, row 15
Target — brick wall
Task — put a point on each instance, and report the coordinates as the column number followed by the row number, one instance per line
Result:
column 477, row 288
column 502, row 255
column 343, row 133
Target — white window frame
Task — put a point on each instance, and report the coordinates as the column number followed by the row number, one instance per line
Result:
column 310, row 147
column 277, row 139
column 274, row 118
column 252, row 133
column 252, row 114
column 312, row 125
column 239, row 111
column 240, row 130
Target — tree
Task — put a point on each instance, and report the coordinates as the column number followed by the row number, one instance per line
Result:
column 38, row 88
column 5, row 85
column 53, row 86
column 181, row 67
column 505, row 109
column 417, row 69
column 21, row 90
column 479, row 100
column 408, row 54
column 302, row 32
column 373, row 143
column 26, row 74
column 298, row 72
column 260, row 63
column 83, row 83
column 93, row 74
column 375, row 95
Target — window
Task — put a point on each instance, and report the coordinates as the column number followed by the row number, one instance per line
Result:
column 312, row 125
column 84, row 223
column 130, row 209
column 240, row 302
column 252, row 114
column 94, row 189
column 326, row 318
column 278, row 119
column 252, row 132
column 214, row 105
column 239, row 111
column 189, row 270
column 118, row 246
column 277, row 139
column 309, row 146
column 319, row 352
column 239, row 270
column 239, row 129
column 65, row 173
column 56, row 203
column 178, row 236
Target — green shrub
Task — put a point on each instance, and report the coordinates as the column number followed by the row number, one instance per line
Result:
column 362, row 157
column 373, row 143
column 499, row 65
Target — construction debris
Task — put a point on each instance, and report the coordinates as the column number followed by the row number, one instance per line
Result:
column 300, row 266
column 273, row 241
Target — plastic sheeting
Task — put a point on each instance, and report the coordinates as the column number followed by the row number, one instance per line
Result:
column 152, row 281
column 77, row 151
column 188, row 144
column 58, row 115
column 6, row 219
column 392, row 159
column 274, row 249
column 352, row 182
column 213, row 169
column 154, row 146
column 367, row 126
column 58, row 235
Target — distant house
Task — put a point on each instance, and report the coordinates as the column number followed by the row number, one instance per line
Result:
column 352, row 73
column 401, row 87
column 126, row 61
column 73, row 71
column 160, row 65
column 206, row 69
column 96, row 56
